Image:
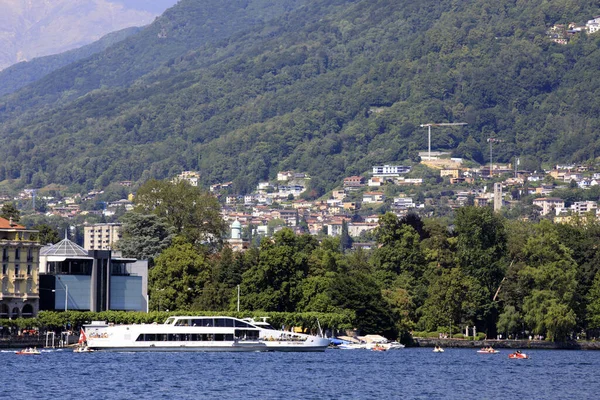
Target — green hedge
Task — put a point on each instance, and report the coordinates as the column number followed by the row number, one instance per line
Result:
column 58, row 320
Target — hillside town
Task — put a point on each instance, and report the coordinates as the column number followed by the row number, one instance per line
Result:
column 433, row 187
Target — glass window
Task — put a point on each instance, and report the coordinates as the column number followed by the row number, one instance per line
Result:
column 241, row 324
column 28, row 270
column 219, row 322
column 4, row 269
column 17, row 270
column 17, row 253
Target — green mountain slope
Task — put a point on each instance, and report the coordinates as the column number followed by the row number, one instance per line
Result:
column 186, row 26
column 22, row 74
column 330, row 88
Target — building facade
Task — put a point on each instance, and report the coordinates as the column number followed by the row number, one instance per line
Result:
column 73, row 278
column 101, row 236
column 19, row 296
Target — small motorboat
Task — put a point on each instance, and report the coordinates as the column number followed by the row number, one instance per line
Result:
column 82, row 349
column 82, row 346
column 438, row 349
column 488, row 350
column 28, row 352
column 378, row 347
column 518, row 355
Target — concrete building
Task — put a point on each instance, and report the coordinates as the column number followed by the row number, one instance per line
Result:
column 19, row 296
column 101, row 236
column 73, row 278
column 549, row 204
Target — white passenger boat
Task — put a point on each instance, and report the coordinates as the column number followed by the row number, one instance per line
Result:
column 199, row 334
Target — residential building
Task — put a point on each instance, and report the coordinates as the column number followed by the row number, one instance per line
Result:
column 549, row 204
column 354, row 181
column 376, row 181
column 373, row 197
column 582, row 207
column 390, row 170
column 338, row 194
column 19, row 295
column 101, row 236
column 481, row 201
column 403, row 203
column 285, row 175
column 452, row 173
column 192, row 177
column 593, row 25
column 356, row 228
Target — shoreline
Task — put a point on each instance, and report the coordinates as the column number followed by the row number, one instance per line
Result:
column 506, row 344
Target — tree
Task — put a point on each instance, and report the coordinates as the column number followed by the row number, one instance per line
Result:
column 454, row 298
column 510, row 321
column 178, row 276
column 480, row 251
column 144, row 236
column 345, row 239
column 194, row 214
column 9, row 211
column 46, row 234
column 593, row 307
column 274, row 283
column 550, row 276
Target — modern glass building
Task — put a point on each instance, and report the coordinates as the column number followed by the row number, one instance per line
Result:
column 73, row 278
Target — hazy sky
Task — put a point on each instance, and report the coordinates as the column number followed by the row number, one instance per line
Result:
column 156, row 6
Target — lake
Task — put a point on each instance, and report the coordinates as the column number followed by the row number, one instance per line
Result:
column 412, row 373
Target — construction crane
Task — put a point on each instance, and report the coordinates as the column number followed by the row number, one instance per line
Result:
column 492, row 141
column 429, row 132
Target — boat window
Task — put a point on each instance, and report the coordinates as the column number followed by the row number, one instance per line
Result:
column 241, row 324
column 229, row 322
column 243, row 334
column 169, row 321
column 219, row 322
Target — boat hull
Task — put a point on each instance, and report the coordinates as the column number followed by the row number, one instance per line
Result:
column 210, row 349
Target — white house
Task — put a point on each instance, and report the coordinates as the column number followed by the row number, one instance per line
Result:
column 390, row 170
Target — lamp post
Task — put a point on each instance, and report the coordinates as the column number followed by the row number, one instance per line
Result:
column 428, row 126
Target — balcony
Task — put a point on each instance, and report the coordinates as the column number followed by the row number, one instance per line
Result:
column 18, row 277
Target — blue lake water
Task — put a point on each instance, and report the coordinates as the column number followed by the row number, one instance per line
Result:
column 335, row 374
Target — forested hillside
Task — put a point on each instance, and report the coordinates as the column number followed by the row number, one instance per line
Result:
column 19, row 75
column 294, row 89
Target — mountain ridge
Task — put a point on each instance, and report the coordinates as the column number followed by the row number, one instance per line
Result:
column 36, row 29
